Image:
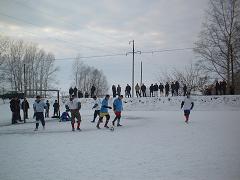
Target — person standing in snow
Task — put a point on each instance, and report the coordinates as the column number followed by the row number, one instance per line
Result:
column 155, row 89
column 55, row 108
column 128, row 91
column 161, row 88
column 93, row 89
column 104, row 112
column 118, row 90
column 39, row 106
column 187, row 105
column 166, row 89
column 184, row 90
column 15, row 108
column 74, row 105
column 96, row 107
column 117, row 108
column 47, row 109
column 137, row 89
column 114, row 90
column 143, row 89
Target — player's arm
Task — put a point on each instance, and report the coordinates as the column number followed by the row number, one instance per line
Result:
column 182, row 104
column 192, row 105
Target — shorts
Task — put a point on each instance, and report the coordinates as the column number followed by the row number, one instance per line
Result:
column 75, row 114
column 102, row 114
column 186, row 112
column 118, row 114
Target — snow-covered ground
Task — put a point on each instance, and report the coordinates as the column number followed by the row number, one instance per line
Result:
column 154, row 143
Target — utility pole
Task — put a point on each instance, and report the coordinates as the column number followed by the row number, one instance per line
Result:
column 133, row 53
column 25, row 88
column 141, row 75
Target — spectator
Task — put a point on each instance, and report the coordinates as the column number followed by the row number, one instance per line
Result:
column 137, row 89
column 155, row 89
column 128, row 91
column 184, row 90
column 151, row 90
column 55, row 108
column 143, row 89
column 47, row 109
column 172, row 88
column 118, row 90
column 166, row 89
column 161, row 88
column 15, row 108
column 71, row 91
column 75, row 90
column 25, row 107
column 93, row 91
column 177, row 86
column 114, row 90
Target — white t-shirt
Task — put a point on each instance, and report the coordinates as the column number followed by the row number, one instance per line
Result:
column 73, row 104
column 98, row 102
column 187, row 103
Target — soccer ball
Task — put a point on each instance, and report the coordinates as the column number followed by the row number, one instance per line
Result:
column 112, row 128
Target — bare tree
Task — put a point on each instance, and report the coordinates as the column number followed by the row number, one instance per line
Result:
column 219, row 44
column 192, row 75
column 39, row 66
column 86, row 77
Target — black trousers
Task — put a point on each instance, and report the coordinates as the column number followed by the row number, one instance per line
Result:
column 96, row 113
column 39, row 117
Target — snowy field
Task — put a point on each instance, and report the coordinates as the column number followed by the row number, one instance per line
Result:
column 153, row 143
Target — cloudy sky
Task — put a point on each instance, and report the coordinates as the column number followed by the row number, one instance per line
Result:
column 104, row 27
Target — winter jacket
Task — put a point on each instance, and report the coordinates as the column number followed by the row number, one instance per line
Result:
column 155, row 87
column 15, row 105
column 167, row 87
column 65, row 115
column 187, row 104
column 56, row 106
column 97, row 104
column 117, row 105
column 137, row 88
column 39, row 106
column 104, row 107
column 161, row 87
column 128, row 88
column 25, row 105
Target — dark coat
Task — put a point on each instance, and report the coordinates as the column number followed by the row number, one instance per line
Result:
column 15, row 105
column 143, row 88
column 25, row 105
column 166, row 87
column 56, row 106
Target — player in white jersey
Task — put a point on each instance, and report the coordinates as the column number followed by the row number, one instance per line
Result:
column 74, row 105
column 187, row 105
column 96, row 107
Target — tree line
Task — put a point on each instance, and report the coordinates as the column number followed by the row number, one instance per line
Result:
column 86, row 77
column 25, row 65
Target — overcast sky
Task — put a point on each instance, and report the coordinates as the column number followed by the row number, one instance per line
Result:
column 99, row 27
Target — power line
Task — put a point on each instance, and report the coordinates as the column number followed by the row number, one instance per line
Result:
column 124, row 54
column 166, row 50
column 89, row 57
